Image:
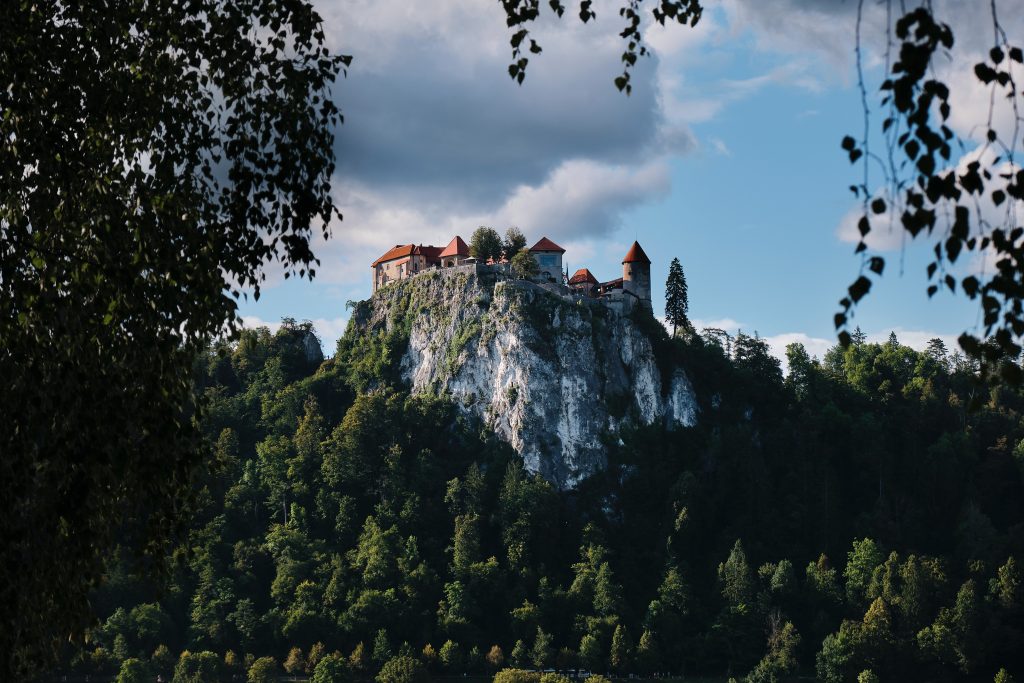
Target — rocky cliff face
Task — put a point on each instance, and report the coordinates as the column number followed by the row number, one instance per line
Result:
column 555, row 378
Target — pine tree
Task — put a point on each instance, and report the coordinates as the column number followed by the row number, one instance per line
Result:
column 621, row 647
column 677, row 303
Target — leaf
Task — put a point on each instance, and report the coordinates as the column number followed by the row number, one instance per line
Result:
column 863, row 226
column 876, row 264
column 859, row 288
column 878, row 205
column 984, row 72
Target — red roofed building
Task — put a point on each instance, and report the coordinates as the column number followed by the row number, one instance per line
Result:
column 584, row 282
column 402, row 261
column 583, row 276
column 549, row 259
column 455, row 253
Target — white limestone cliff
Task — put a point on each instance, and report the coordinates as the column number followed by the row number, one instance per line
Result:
column 554, row 377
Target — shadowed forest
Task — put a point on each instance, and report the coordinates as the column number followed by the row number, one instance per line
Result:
column 851, row 521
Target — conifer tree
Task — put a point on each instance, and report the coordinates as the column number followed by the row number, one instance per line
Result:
column 621, row 646
column 677, row 303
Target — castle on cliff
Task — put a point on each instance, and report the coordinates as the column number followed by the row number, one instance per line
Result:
column 633, row 288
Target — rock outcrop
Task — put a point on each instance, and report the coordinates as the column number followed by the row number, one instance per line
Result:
column 553, row 376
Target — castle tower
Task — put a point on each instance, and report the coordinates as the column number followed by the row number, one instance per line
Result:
column 636, row 275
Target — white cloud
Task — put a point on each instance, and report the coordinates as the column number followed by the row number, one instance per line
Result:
column 720, row 147
column 887, row 233
column 815, row 346
column 728, row 324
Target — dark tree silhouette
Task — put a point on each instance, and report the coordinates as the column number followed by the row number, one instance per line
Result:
column 677, row 302
column 154, row 157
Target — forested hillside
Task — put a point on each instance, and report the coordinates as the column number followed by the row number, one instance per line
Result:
column 853, row 516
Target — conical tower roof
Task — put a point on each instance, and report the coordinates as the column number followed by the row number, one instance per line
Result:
column 636, row 255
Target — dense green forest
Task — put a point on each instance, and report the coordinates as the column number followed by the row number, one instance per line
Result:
column 854, row 520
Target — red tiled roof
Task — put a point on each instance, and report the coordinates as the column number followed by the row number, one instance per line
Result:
column 612, row 284
column 400, row 250
column 455, row 248
column 636, row 255
column 546, row 245
column 582, row 276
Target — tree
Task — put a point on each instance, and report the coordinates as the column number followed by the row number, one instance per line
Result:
column 381, row 647
column 402, row 670
column 677, row 304
column 263, row 670
column 622, row 647
column 495, row 657
column 295, row 663
column 331, row 669
column 524, row 265
column 450, row 655
column 201, row 667
column 591, row 655
column 125, row 240
column 515, row 242
column 485, row 244
column 543, row 652
column 520, row 654
column 359, row 659
column 861, row 562
column 133, row 671
column 648, row 655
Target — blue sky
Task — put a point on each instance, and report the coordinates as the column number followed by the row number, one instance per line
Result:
column 726, row 155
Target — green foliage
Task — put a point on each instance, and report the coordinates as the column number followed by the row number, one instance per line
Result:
column 295, row 662
column 514, row 242
column 524, row 265
column 371, row 520
column 331, row 669
column 861, row 563
column 520, row 654
column 517, row 676
column 133, row 671
column 543, row 653
column 402, row 670
column 622, row 650
column 554, row 678
column 485, row 244
column 106, row 299
column 780, row 661
column 451, row 655
column 199, row 667
column 263, row 670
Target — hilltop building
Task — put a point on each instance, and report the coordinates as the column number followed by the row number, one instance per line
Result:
column 549, row 258
column 633, row 288
column 636, row 274
column 402, row 261
column 455, row 254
